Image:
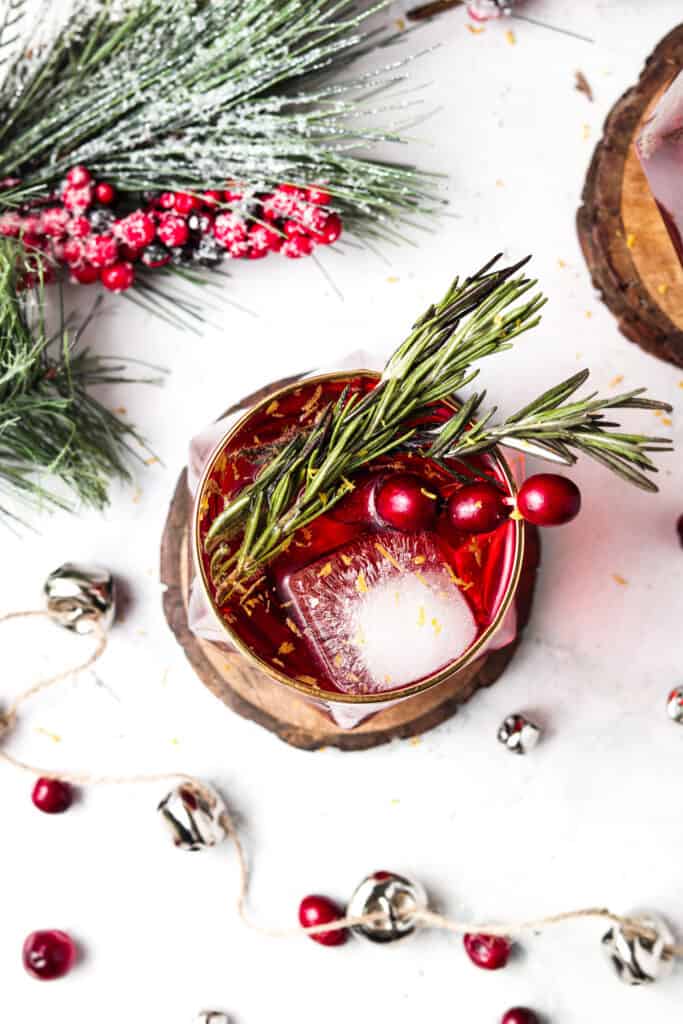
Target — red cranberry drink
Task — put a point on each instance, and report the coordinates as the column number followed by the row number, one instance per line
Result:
column 380, row 595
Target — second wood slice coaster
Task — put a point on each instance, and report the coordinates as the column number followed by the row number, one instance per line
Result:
column 630, row 256
column 253, row 695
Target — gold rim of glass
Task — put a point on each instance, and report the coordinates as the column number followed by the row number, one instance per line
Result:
column 466, row 658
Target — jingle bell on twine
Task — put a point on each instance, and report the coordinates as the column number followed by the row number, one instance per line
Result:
column 79, row 595
column 518, row 734
column 638, row 960
column 195, row 815
column 397, row 899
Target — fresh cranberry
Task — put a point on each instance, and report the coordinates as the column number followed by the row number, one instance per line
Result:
column 490, row 952
column 167, row 200
column 105, row 193
column 52, row 796
column 87, row 274
column 520, row 1015
column 173, row 230
column 477, row 508
column 315, row 910
column 118, row 277
column 318, row 195
column 49, row 954
column 79, row 176
column 10, row 224
column 405, row 502
column 548, row 499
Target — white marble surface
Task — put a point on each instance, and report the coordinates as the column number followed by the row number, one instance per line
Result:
column 593, row 817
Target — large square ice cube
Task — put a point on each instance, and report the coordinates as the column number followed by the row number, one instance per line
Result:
column 383, row 611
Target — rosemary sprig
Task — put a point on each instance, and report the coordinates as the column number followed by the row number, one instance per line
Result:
column 476, row 318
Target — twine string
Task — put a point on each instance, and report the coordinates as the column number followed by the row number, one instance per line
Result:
column 423, row 918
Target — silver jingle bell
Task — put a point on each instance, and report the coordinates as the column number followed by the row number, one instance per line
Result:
column 212, row 1017
column 397, row 898
column 195, row 816
column 674, row 705
column 78, row 595
column 518, row 734
column 636, row 960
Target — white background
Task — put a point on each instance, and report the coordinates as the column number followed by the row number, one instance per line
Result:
column 592, row 817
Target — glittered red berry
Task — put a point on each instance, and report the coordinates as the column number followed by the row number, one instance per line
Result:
column 186, row 203
column 330, row 231
column 405, row 502
column 73, row 251
column 77, row 198
column 10, row 224
column 232, row 195
column 48, row 955
column 118, row 277
column 548, row 499
column 318, row 195
column 315, row 910
column 87, row 274
column 105, row 193
column 280, row 203
column 229, row 228
column 490, row 952
column 78, row 227
column 297, row 246
column 264, row 238
column 137, row 229
column 54, row 221
column 79, row 176
column 520, row 1015
column 212, row 198
column 167, row 200
column 173, row 230
column 478, row 508
column 101, row 250
column 292, row 228
column 52, row 796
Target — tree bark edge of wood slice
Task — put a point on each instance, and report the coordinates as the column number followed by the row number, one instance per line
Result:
column 254, row 696
column 631, row 259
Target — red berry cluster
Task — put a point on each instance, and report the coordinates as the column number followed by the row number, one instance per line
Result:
column 100, row 236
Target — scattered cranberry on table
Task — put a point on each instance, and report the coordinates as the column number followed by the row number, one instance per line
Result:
column 478, row 508
column 315, row 910
column 405, row 502
column 520, row 1015
column 548, row 499
column 490, row 952
column 52, row 796
column 48, row 955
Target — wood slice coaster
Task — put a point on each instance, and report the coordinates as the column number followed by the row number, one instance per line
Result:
column 254, row 696
column 630, row 256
